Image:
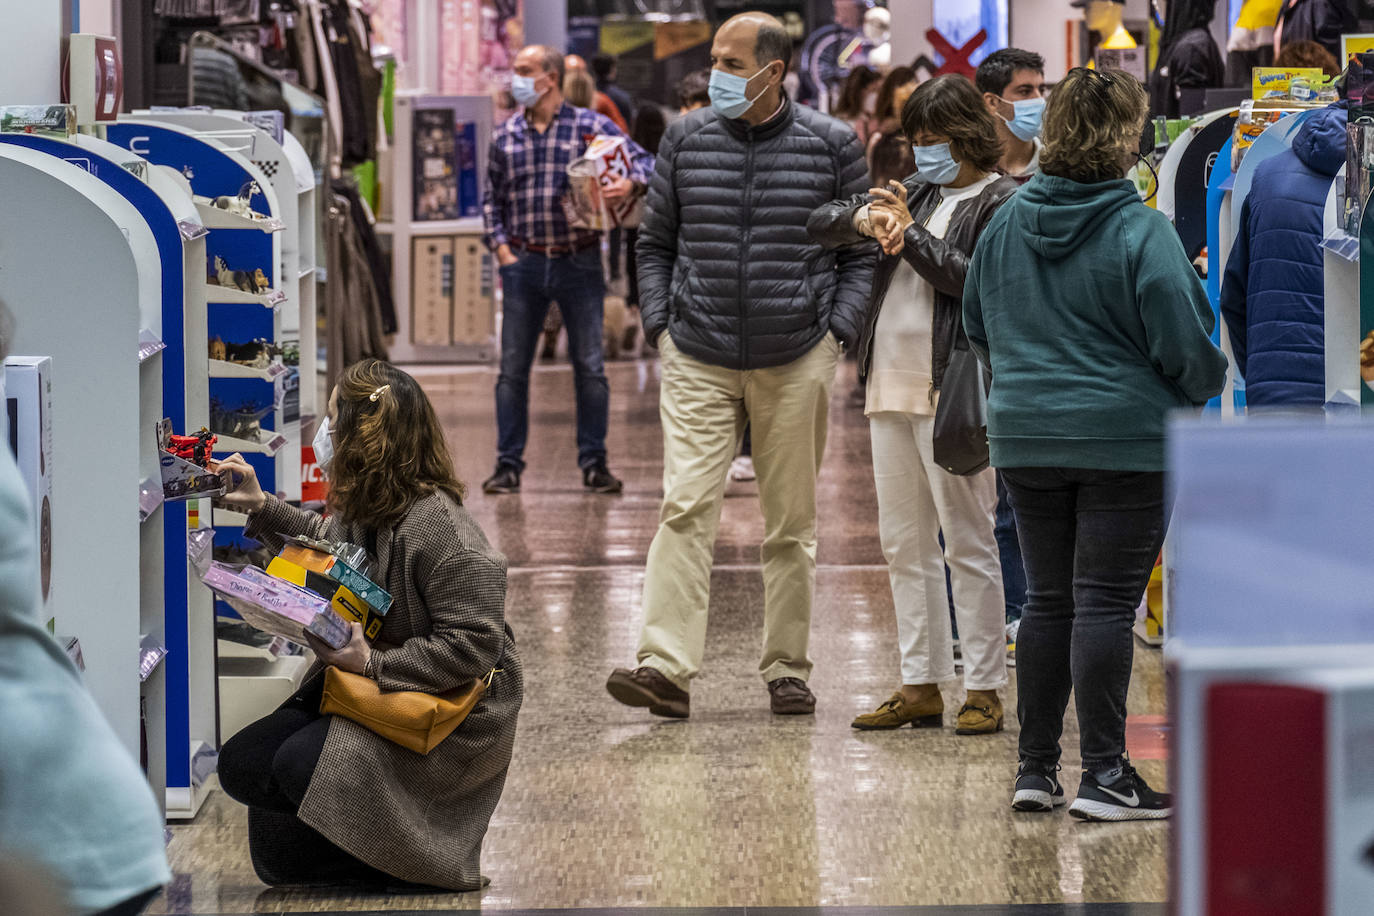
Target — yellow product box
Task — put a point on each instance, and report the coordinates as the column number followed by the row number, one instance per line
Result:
column 348, row 605
column 1274, row 82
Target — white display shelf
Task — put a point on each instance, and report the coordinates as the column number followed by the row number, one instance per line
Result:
column 435, row 227
column 1343, row 245
column 149, row 344
column 216, row 218
column 183, row 803
column 220, row 368
column 230, row 519
column 307, row 271
column 225, row 295
column 270, row 447
column 149, row 497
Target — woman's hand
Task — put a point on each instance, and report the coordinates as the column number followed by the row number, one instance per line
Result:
column 247, row 495
column 887, row 228
column 892, row 199
column 352, row 657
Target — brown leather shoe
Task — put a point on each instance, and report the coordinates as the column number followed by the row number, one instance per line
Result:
column 928, row 712
column 648, row 687
column 981, row 715
column 789, row 696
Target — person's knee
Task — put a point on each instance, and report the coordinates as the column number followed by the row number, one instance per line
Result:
column 239, row 770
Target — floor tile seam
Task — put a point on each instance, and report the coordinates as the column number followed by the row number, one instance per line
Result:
column 719, row 567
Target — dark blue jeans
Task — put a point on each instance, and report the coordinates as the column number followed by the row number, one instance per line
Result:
column 1090, row 539
column 1009, row 549
column 528, row 286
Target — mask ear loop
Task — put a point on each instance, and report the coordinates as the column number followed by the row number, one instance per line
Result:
column 1153, row 174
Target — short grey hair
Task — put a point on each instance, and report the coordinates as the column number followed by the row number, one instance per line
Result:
column 553, row 61
column 773, row 43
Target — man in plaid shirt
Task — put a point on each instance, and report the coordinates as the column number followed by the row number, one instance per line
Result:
column 543, row 260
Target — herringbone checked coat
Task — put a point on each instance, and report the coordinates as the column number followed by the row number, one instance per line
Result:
column 420, row 817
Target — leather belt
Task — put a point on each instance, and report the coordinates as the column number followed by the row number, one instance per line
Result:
column 555, row 251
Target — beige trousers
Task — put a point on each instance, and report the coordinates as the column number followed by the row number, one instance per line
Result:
column 704, row 409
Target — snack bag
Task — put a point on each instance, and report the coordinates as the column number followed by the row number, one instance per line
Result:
column 606, row 160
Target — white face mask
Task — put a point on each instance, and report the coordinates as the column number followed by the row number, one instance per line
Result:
column 324, row 446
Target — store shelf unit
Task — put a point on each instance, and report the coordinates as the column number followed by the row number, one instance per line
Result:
column 83, row 275
column 179, row 701
column 441, row 274
column 217, row 164
column 1341, row 277
column 287, row 166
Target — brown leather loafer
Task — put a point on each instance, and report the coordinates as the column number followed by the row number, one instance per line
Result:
column 896, row 712
column 647, row 687
column 789, row 696
column 981, row 715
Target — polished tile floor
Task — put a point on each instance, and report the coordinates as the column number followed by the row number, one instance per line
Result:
column 608, row 808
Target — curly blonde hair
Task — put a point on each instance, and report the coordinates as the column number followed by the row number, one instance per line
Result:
column 389, row 447
column 1092, row 125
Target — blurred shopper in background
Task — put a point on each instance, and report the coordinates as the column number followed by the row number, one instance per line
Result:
column 542, row 258
column 604, row 68
column 1012, row 82
column 693, row 91
column 1188, row 56
column 601, row 102
column 72, row 798
column 1273, row 294
column 888, row 151
column 1308, row 54
column 1322, row 21
column 1083, row 304
column 749, row 315
column 928, row 227
column 580, row 89
column 855, row 106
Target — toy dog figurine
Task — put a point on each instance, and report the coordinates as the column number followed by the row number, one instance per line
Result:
column 217, row 350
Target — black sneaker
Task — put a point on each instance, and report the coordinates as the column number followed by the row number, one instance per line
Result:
column 505, row 480
column 1118, row 794
column 599, row 480
column 1037, row 788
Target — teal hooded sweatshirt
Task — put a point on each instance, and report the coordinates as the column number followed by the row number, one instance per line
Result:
column 1081, row 301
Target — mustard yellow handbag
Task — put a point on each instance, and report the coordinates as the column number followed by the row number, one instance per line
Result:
column 416, row 721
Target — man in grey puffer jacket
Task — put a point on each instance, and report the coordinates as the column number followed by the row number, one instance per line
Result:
column 749, row 315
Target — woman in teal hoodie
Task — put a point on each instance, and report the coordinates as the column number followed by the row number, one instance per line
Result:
column 1081, row 301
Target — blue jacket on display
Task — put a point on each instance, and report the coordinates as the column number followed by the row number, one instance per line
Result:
column 1272, row 296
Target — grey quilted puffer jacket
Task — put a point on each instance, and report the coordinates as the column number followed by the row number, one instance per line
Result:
column 725, row 262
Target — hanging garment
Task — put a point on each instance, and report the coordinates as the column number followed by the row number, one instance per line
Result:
column 353, row 326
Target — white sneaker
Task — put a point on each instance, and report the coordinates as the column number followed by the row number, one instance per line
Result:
column 742, row 469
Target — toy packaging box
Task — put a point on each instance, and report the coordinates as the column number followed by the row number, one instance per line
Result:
column 605, row 160
column 322, row 569
column 276, row 606
column 28, row 408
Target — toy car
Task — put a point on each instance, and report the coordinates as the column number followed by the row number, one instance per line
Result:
column 196, row 449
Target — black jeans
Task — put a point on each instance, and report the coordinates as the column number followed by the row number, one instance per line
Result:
column 267, row 766
column 1089, row 539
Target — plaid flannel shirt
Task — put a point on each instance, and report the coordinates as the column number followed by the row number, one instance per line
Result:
column 527, row 175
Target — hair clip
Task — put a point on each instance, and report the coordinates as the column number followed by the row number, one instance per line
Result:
column 378, row 393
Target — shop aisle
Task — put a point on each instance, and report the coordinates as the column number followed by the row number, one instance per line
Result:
column 607, row 807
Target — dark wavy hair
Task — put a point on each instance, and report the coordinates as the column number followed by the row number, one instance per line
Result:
column 949, row 106
column 389, row 449
column 896, row 78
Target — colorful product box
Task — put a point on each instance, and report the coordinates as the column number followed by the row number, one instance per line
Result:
column 276, row 606
column 1276, row 82
column 607, row 159
column 344, row 601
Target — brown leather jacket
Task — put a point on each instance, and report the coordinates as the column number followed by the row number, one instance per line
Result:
column 941, row 262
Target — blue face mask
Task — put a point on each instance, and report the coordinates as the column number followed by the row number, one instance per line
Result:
column 935, row 163
column 1025, row 118
column 728, row 93
column 522, row 89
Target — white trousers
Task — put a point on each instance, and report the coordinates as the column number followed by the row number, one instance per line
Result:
column 917, row 499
